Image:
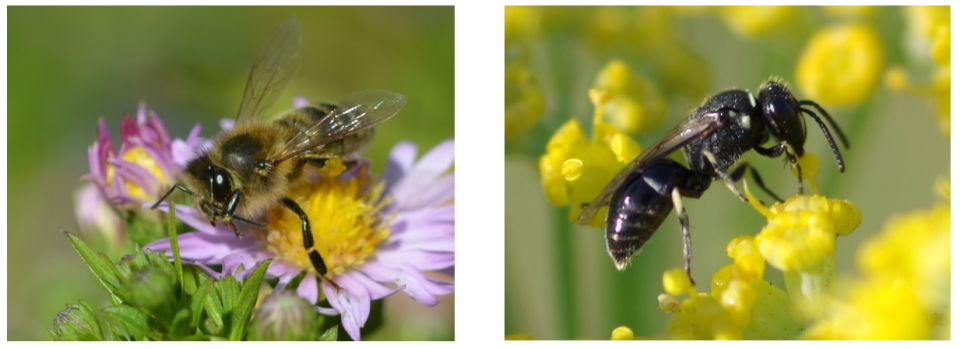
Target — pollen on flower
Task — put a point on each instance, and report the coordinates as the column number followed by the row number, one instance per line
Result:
column 140, row 157
column 803, row 230
column 622, row 333
column 676, row 282
column 344, row 217
column 747, row 260
column 576, row 168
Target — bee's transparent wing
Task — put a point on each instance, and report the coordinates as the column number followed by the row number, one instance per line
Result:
column 680, row 136
column 361, row 111
column 278, row 61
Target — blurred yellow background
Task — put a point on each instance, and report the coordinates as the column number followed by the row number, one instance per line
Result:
column 67, row 66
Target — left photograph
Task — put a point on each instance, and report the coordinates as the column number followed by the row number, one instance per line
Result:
column 276, row 173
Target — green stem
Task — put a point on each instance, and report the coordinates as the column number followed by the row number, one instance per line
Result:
column 172, row 231
column 567, row 287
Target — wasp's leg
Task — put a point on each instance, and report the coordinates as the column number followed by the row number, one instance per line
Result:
column 776, row 151
column 772, row 152
column 685, row 230
column 722, row 173
column 312, row 252
column 738, row 173
column 794, row 162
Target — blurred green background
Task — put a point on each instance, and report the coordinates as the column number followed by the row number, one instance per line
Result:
column 561, row 283
column 67, row 66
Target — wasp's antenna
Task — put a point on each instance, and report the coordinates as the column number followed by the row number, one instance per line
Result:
column 826, row 132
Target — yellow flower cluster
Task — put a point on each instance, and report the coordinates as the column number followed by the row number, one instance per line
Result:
column 800, row 240
column 634, row 103
column 524, row 99
column 576, row 168
column 929, row 42
column 904, row 288
column 840, row 65
column 523, row 95
column 755, row 21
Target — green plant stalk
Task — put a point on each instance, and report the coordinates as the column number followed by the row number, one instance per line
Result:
column 172, row 231
column 565, row 256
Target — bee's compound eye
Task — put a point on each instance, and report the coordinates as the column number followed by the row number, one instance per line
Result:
column 219, row 183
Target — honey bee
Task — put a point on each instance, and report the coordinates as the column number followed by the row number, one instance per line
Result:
column 248, row 168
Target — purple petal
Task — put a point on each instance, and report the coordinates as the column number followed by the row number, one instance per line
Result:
column 227, row 124
column 349, row 308
column 401, row 159
column 436, row 214
column 308, row 289
column 282, row 270
column 418, row 285
column 435, row 162
column 357, row 289
column 204, row 247
column 327, row 311
column 142, row 112
column 300, row 102
column 182, row 152
column 193, row 218
column 375, row 289
column 423, row 260
column 164, row 136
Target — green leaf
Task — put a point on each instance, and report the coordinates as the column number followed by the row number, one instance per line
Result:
column 172, row 232
column 181, row 324
column 214, row 308
column 116, row 333
column 133, row 319
column 229, row 289
column 248, row 299
column 330, row 334
column 197, row 301
column 103, row 270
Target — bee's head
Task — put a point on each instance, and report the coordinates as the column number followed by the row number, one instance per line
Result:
column 781, row 113
column 211, row 185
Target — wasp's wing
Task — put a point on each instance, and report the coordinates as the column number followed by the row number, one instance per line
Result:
column 361, row 111
column 275, row 66
column 680, row 136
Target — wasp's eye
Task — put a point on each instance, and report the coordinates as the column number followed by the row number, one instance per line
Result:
column 219, row 183
column 784, row 122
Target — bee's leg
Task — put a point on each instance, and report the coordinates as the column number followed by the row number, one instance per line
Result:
column 315, row 257
column 738, row 173
column 230, row 209
column 685, row 230
column 164, row 197
column 722, row 173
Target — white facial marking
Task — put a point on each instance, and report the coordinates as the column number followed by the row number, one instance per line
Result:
column 745, row 120
column 753, row 101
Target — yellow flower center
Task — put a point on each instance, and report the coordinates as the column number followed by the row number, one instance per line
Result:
column 344, row 216
column 140, row 157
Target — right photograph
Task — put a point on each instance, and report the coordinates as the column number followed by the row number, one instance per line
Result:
column 735, row 172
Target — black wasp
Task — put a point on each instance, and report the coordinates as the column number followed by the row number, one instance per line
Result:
column 713, row 138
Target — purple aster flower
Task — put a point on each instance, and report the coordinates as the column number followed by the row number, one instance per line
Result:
column 376, row 238
column 146, row 164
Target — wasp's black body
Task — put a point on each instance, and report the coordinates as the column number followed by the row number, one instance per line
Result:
column 713, row 139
